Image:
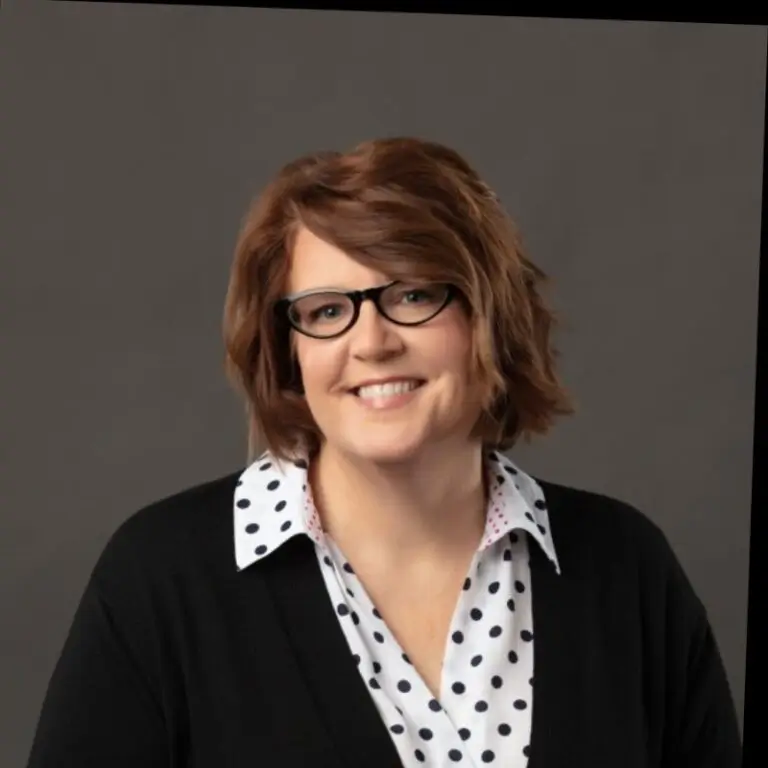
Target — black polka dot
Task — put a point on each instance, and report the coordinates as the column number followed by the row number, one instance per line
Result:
column 526, row 635
column 376, row 667
column 425, row 734
column 507, row 554
column 261, row 549
column 355, row 618
column 378, row 637
column 542, row 529
column 455, row 755
column 530, row 517
column 342, row 609
column 265, row 466
column 495, row 631
column 519, row 704
column 280, row 506
column 476, row 660
column 404, row 686
column 530, row 682
column 519, row 586
column 527, row 750
column 457, row 637
column 540, row 504
column 494, row 587
column 476, row 614
column 397, row 728
column 434, row 705
column 511, row 470
column 238, row 483
column 464, row 733
column 500, row 479
column 399, row 711
column 376, row 614
column 481, row 706
column 458, row 687
column 406, row 659
column 419, row 755
column 350, row 592
column 374, row 683
column 348, row 568
column 467, row 583
column 487, row 756
column 252, row 528
column 504, row 729
column 512, row 656
column 244, row 503
column 327, row 561
column 511, row 604
column 286, row 525
column 356, row 657
column 273, row 485
column 496, row 681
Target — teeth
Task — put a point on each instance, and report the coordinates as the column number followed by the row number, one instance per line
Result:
column 388, row 389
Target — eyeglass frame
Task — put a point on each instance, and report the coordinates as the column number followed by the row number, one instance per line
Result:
column 357, row 298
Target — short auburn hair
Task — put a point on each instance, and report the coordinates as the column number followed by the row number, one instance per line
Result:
column 407, row 208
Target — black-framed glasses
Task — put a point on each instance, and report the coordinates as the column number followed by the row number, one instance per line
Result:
column 325, row 314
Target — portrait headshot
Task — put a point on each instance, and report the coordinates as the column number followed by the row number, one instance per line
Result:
column 412, row 440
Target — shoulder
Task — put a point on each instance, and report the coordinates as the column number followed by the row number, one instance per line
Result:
column 190, row 524
column 597, row 513
column 609, row 537
column 584, row 513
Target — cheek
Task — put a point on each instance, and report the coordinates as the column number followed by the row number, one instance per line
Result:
column 451, row 350
column 320, row 364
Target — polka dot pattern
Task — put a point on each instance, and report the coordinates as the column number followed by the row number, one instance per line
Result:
column 482, row 713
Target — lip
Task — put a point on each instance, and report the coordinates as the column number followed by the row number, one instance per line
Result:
column 389, row 379
column 389, row 403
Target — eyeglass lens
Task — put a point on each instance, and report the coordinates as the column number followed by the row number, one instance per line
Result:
column 329, row 313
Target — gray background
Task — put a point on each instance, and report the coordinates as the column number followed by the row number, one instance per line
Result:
column 134, row 137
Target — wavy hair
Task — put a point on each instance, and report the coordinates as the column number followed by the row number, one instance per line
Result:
column 407, row 208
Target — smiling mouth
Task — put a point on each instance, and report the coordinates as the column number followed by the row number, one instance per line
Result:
column 389, row 389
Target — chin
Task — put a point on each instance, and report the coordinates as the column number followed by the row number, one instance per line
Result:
column 385, row 450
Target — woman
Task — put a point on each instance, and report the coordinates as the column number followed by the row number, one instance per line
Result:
column 382, row 586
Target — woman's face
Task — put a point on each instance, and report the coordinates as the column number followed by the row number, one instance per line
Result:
column 444, row 407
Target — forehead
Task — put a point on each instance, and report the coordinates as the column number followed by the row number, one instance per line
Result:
column 315, row 263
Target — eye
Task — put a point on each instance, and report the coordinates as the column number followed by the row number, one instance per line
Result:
column 326, row 312
column 415, row 295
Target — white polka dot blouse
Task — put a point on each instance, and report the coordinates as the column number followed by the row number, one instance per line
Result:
column 484, row 711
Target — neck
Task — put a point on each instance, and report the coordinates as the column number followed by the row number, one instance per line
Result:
column 419, row 511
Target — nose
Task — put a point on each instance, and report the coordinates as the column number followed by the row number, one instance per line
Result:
column 373, row 337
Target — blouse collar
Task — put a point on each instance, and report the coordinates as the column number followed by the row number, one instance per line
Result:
column 273, row 502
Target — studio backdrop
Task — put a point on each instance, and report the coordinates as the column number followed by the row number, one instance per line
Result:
column 630, row 154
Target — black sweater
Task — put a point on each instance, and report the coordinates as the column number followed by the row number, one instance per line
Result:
column 175, row 659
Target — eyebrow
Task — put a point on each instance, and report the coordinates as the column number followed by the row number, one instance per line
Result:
column 328, row 289
column 310, row 291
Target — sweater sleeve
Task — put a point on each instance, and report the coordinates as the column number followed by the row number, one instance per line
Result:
column 101, row 707
column 701, row 728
